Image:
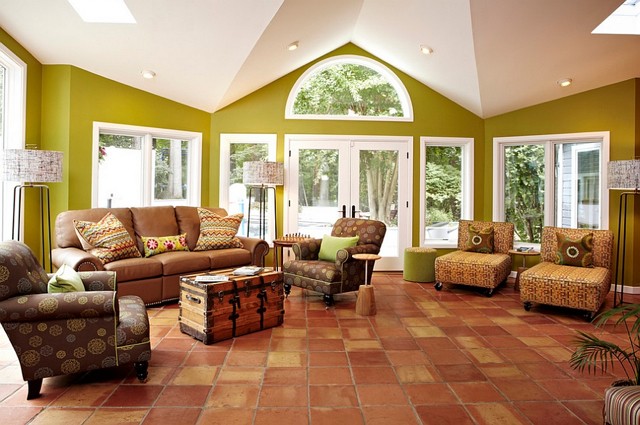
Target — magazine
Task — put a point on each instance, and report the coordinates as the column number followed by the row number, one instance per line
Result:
column 248, row 271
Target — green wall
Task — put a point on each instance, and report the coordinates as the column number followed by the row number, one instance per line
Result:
column 614, row 108
column 73, row 99
column 434, row 115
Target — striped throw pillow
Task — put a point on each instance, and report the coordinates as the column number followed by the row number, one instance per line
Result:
column 108, row 239
column 218, row 232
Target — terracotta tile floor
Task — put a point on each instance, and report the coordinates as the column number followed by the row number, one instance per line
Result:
column 427, row 357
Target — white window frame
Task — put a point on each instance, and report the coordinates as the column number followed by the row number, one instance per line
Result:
column 226, row 140
column 392, row 79
column 14, row 116
column 549, row 141
column 148, row 134
column 467, row 145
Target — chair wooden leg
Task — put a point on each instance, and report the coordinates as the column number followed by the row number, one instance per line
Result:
column 34, row 388
column 141, row 370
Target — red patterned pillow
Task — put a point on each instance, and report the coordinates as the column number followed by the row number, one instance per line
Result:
column 575, row 252
column 108, row 238
column 154, row 245
column 480, row 240
column 218, row 232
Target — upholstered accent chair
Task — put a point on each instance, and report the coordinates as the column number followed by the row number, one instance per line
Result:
column 485, row 268
column 622, row 405
column 345, row 274
column 582, row 288
column 67, row 332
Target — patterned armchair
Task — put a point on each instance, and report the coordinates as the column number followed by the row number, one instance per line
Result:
column 486, row 270
column 345, row 274
column 62, row 333
column 582, row 288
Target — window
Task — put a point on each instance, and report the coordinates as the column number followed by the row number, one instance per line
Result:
column 349, row 88
column 140, row 166
column 12, row 123
column 235, row 149
column 446, row 169
column 557, row 180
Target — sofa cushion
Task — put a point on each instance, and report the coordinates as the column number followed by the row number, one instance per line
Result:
column 182, row 262
column 154, row 221
column 218, row 232
column 158, row 245
column 225, row 258
column 109, row 239
column 129, row 269
column 574, row 251
column 66, row 234
column 480, row 240
column 189, row 222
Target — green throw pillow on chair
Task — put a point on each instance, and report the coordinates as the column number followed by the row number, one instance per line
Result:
column 331, row 244
column 65, row 280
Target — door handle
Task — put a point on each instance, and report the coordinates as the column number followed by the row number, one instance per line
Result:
column 343, row 211
column 353, row 211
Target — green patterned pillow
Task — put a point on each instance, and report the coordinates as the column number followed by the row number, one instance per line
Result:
column 154, row 245
column 66, row 279
column 108, row 238
column 218, row 232
column 575, row 252
column 480, row 240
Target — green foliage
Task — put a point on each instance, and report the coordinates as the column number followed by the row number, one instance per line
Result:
column 318, row 182
column 379, row 185
column 443, row 184
column 524, row 190
column 348, row 89
column 593, row 354
column 244, row 152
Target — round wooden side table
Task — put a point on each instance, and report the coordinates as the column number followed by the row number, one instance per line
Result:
column 366, row 304
column 524, row 267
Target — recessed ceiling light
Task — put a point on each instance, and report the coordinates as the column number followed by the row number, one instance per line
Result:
column 103, row 11
column 565, row 82
column 426, row 50
column 148, row 74
column 293, row 46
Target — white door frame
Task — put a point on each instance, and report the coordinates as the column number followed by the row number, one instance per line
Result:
column 405, row 186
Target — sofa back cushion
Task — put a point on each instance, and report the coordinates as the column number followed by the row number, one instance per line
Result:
column 502, row 234
column 602, row 244
column 66, row 236
column 154, row 221
column 189, row 222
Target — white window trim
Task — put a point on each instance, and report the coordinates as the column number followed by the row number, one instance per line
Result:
column 391, row 77
column 195, row 156
column 549, row 140
column 15, row 113
column 467, row 145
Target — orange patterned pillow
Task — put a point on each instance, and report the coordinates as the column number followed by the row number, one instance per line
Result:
column 575, row 252
column 218, row 232
column 108, row 238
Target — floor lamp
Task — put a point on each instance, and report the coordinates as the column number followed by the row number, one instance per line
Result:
column 32, row 167
column 625, row 176
column 260, row 177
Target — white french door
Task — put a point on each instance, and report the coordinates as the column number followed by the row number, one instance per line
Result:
column 329, row 177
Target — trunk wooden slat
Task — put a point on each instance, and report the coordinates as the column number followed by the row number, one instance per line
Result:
column 212, row 312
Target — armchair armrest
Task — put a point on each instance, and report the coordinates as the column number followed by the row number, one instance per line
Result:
column 346, row 254
column 77, row 258
column 307, row 249
column 68, row 305
column 257, row 247
column 99, row 281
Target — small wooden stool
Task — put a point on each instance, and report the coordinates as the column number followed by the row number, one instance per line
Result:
column 366, row 304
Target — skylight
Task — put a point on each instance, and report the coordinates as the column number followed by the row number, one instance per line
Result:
column 624, row 20
column 103, row 11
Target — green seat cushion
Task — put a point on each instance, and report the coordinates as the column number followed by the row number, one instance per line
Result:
column 331, row 244
column 65, row 280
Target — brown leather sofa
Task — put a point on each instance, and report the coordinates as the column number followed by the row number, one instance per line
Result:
column 154, row 279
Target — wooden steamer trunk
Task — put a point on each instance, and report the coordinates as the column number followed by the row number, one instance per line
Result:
column 212, row 312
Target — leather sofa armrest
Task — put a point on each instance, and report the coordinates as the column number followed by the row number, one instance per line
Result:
column 57, row 306
column 346, row 254
column 258, row 248
column 307, row 249
column 77, row 258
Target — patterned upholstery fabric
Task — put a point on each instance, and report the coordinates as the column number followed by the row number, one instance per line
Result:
column 218, row 232
column 622, row 405
column 345, row 274
column 474, row 268
column 61, row 333
column 581, row 288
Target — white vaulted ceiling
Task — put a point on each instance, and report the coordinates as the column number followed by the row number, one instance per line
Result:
column 490, row 56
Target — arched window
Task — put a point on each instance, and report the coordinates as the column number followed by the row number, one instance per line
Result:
column 349, row 88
